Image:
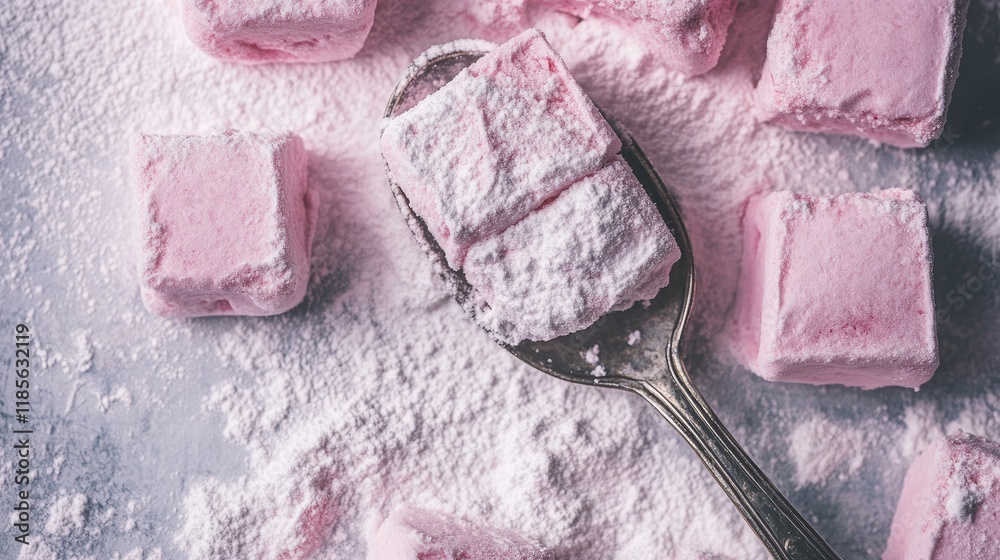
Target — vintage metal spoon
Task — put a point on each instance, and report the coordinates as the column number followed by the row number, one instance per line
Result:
column 644, row 368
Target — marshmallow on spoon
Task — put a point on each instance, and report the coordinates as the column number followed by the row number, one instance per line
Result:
column 600, row 246
column 506, row 134
column 837, row 290
column 512, row 169
column 226, row 223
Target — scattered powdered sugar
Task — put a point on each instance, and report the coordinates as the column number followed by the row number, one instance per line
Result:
column 634, row 338
column 120, row 395
column 925, row 423
column 67, row 514
column 140, row 554
column 338, row 477
column 416, row 533
column 85, row 351
column 593, row 357
column 922, row 428
column 377, row 390
column 820, row 447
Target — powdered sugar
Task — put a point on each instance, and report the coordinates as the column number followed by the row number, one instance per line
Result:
column 378, row 378
column 66, row 514
column 505, row 135
column 593, row 357
column 599, row 246
column 820, row 447
column 965, row 490
column 921, row 430
column 688, row 34
column 925, row 423
column 412, row 533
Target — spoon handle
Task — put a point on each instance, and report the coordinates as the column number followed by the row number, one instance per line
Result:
column 779, row 526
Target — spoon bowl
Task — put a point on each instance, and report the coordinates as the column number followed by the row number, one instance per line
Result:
column 649, row 365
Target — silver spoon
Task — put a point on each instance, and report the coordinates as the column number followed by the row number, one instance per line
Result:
column 644, row 368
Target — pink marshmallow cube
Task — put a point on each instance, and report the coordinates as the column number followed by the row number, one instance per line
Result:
column 416, row 534
column 600, row 246
column 508, row 133
column 261, row 31
column 950, row 505
column 688, row 34
column 837, row 289
column 226, row 223
column 879, row 70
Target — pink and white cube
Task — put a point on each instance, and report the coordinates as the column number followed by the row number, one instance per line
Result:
column 261, row 31
column 837, row 289
column 225, row 222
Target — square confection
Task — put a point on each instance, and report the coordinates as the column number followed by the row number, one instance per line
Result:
column 687, row 34
column 226, row 223
column 412, row 534
column 950, row 505
column 509, row 132
column 879, row 70
column 601, row 245
column 260, row 31
column 837, row 289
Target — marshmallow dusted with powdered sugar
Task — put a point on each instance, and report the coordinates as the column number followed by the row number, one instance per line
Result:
column 949, row 508
column 261, row 31
column 513, row 170
column 410, row 533
column 600, row 246
column 225, row 222
column 508, row 133
column 687, row 35
column 837, row 290
column 879, row 70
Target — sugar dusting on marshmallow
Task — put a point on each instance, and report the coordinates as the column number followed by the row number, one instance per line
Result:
column 950, row 504
column 509, row 132
column 225, row 222
column 511, row 167
column 261, row 31
column 880, row 70
column 601, row 245
column 837, row 290
column 687, row 35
